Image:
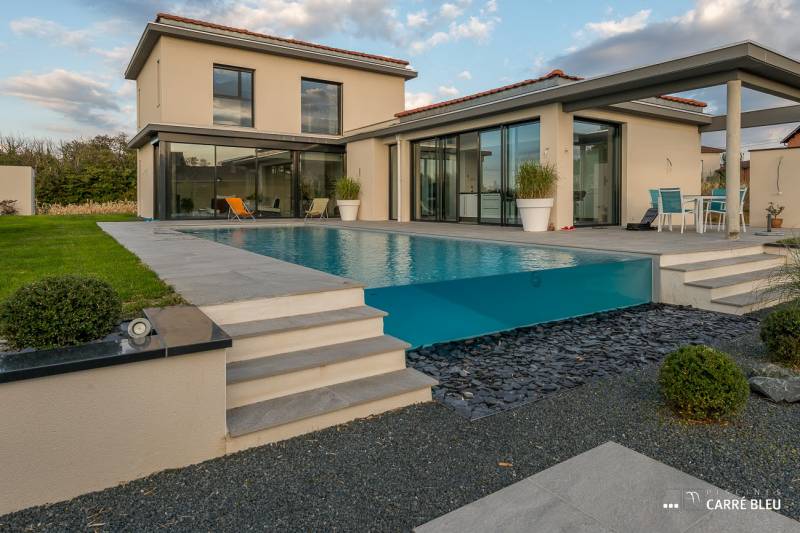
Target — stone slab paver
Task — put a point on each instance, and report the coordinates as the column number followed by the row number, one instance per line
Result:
column 620, row 489
column 208, row 273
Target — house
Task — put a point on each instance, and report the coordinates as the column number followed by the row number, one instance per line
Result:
column 227, row 112
column 775, row 178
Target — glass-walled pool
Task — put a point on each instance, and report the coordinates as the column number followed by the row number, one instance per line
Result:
column 441, row 289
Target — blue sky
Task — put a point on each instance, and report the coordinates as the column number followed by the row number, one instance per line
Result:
column 61, row 74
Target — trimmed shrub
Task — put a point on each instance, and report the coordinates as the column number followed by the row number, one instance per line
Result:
column 780, row 332
column 59, row 311
column 701, row 383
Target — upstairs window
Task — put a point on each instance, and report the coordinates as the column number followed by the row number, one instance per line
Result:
column 233, row 97
column 321, row 107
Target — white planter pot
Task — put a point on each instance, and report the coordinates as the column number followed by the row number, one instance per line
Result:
column 535, row 213
column 348, row 209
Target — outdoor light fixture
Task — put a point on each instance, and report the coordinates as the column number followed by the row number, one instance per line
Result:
column 139, row 328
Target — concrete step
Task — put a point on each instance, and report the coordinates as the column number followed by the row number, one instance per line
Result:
column 260, row 338
column 740, row 304
column 724, row 267
column 288, row 416
column 350, row 295
column 264, row 378
column 668, row 259
column 722, row 286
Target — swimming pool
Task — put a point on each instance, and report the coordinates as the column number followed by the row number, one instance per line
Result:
column 439, row 289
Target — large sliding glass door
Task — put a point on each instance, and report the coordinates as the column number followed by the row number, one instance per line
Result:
column 272, row 182
column 596, row 176
column 471, row 177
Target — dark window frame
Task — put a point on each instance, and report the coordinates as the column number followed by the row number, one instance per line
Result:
column 616, row 161
column 393, row 168
column 238, row 98
column 339, row 104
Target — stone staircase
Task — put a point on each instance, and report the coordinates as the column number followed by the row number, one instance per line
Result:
column 305, row 362
column 736, row 281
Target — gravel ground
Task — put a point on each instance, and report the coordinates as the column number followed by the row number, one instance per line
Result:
column 485, row 375
column 401, row 469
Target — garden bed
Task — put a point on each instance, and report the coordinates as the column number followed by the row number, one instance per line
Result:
column 481, row 376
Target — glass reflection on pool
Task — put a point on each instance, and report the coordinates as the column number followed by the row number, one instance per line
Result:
column 440, row 289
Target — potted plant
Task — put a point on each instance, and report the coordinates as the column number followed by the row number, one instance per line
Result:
column 347, row 190
column 535, row 182
column 775, row 211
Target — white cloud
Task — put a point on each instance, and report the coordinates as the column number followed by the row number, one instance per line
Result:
column 473, row 29
column 448, row 91
column 75, row 96
column 116, row 54
column 610, row 28
column 450, row 11
column 415, row 100
column 465, row 75
column 491, row 6
column 419, row 18
column 47, row 29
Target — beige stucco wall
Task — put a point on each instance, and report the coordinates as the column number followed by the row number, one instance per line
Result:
column 148, row 85
column 73, row 433
column 368, row 162
column 145, row 181
column 709, row 163
column 18, row 183
column 187, row 87
column 655, row 153
column 764, row 184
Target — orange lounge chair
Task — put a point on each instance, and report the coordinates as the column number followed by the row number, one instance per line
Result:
column 237, row 209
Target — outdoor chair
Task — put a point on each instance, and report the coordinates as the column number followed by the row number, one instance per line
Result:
column 718, row 206
column 671, row 202
column 237, row 209
column 318, row 208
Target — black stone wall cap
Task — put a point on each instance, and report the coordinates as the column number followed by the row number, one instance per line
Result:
column 181, row 330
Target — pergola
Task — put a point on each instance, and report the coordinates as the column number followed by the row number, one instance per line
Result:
column 745, row 64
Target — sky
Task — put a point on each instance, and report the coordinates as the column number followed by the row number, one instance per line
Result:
column 61, row 75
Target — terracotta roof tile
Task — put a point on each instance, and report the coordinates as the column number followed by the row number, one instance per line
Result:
column 687, row 101
column 176, row 18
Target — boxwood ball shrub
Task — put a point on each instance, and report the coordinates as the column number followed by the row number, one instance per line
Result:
column 780, row 332
column 59, row 311
column 701, row 383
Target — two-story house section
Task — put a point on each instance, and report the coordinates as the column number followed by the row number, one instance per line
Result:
column 227, row 112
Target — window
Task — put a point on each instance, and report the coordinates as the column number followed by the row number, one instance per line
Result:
column 233, row 97
column 596, row 176
column 393, row 182
column 320, row 103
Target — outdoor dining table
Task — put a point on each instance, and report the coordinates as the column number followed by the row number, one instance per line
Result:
column 700, row 200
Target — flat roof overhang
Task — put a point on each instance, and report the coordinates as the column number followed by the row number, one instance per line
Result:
column 756, row 66
column 230, row 137
column 154, row 30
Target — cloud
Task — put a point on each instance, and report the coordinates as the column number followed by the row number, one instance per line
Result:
column 465, row 75
column 118, row 54
column 610, row 28
column 473, row 29
column 75, row 96
column 448, row 91
column 415, row 100
column 491, row 6
column 450, row 11
column 710, row 23
column 419, row 18
column 47, row 29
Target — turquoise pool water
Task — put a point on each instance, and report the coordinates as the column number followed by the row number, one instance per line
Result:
column 440, row 289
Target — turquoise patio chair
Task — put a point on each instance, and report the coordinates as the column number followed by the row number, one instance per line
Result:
column 671, row 202
column 716, row 206
column 724, row 211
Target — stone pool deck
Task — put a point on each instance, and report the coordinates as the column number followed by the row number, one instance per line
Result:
column 609, row 488
column 208, row 273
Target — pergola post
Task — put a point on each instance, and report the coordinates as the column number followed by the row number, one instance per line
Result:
column 733, row 157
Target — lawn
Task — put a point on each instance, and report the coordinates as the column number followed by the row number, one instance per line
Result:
column 39, row 246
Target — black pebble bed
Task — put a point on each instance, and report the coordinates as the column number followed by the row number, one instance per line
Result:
column 481, row 376
column 401, row 469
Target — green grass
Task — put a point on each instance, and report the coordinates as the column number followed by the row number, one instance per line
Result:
column 791, row 240
column 38, row 246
